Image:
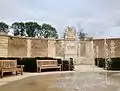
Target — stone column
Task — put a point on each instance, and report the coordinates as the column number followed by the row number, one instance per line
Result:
column 51, row 48
column 92, row 53
column 63, row 49
column 28, row 47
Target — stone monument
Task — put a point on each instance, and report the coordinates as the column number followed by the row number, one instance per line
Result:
column 70, row 44
column 70, row 32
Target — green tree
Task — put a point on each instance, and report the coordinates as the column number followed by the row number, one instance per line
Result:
column 3, row 27
column 49, row 31
column 32, row 29
column 82, row 34
column 19, row 28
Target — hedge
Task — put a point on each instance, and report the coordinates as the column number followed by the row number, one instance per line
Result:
column 115, row 63
column 31, row 66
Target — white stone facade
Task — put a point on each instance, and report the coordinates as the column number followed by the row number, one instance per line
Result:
column 80, row 50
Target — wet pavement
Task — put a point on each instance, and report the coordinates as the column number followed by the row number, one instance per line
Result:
column 75, row 81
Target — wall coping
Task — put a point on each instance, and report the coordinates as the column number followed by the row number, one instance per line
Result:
column 60, row 39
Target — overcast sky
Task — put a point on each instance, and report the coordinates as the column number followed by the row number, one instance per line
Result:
column 97, row 17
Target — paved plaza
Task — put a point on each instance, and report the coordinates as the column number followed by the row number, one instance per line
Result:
column 80, row 68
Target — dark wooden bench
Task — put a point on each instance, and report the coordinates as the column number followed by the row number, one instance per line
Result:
column 10, row 66
column 47, row 64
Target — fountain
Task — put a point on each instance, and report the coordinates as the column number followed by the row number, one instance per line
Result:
column 97, row 51
column 106, row 53
column 93, row 54
column 107, row 57
column 112, row 49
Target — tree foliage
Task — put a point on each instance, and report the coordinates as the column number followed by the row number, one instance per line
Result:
column 33, row 29
column 82, row 34
column 3, row 27
column 49, row 31
column 19, row 28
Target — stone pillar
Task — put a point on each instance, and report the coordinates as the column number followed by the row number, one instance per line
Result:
column 51, row 48
column 88, row 49
column 63, row 49
column 92, row 53
column 28, row 47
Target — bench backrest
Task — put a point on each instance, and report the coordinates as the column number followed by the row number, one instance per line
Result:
column 8, row 63
column 47, row 62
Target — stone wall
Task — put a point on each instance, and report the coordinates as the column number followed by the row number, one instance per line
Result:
column 3, row 46
column 82, row 51
column 117, row 47
column 34, row 47
column 112, row 49
column 23, row 47
column 39, row 48
column 85, row 52
column 99, row 48
column 17, row 47
column 60, row 48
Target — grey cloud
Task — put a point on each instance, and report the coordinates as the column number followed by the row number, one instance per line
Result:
column 97, row 17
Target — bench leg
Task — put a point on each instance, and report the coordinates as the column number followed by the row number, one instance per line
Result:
column 39, row 69
column 21, row 72
column 60, row 68
column 1, row 74
column 16, row 73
